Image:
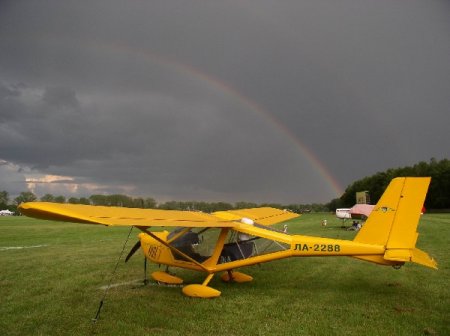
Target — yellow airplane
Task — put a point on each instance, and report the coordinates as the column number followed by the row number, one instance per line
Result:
column 227, row 240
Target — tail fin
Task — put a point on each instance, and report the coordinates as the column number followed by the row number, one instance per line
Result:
column 393, row 222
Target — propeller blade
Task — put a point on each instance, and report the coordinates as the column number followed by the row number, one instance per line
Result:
column 133, row 250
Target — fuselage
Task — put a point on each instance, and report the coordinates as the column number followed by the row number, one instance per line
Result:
column 226, row 250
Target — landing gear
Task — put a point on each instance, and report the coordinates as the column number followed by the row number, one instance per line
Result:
column 201, row 291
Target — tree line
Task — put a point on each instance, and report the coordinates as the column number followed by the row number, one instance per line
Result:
column 438, row 194
column 150, row 203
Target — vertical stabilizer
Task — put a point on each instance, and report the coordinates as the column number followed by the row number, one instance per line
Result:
column 393, row 222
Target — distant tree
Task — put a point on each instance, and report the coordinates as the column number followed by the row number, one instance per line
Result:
column 334, row 204
column 98, row 199
column 4, row 199
column 195, row 206
column 119, row 200
column 47, row 198
column 438, row 196
column 272, row 205
column 138, row 202
column 170, row 205
column 317, row 207
column 60, row 199
column 245, row 205
column 149, row 203
column 84, row 200
column 25, row 196
column 439, row 193
column 219, row 206
column 73, row 200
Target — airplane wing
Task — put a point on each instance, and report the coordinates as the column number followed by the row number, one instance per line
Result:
column 263, row 216
column 119, row 216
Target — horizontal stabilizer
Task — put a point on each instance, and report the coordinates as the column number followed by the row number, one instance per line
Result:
column 422, row 258
column 415, row 255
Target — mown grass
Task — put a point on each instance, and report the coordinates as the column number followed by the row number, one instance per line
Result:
column 55, row 289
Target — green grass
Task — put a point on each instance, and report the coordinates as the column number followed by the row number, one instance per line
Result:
column 55, row 289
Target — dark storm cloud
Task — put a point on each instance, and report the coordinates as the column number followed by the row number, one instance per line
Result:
column 60, row 97
column 151, row 141
column 167, row 99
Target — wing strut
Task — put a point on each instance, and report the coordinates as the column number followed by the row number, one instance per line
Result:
column 173, row 249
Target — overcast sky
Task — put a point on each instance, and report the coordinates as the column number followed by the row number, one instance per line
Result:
column 266, row 101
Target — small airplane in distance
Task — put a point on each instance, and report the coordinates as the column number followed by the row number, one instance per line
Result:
column 224, row 241
column 343, row 213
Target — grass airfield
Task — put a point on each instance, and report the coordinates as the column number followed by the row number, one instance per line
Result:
column 51, row 276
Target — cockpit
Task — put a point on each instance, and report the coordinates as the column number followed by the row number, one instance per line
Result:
column 199, row 244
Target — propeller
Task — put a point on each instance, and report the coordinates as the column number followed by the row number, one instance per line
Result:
column 133, row 250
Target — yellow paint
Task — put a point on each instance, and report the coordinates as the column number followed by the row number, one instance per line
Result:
column 236, row 277
column 422, row 258
column 263, row 216
column 200, row 291
column 166, row 278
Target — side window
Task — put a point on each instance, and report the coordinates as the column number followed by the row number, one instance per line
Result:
column 242, row 246
column 197, row 243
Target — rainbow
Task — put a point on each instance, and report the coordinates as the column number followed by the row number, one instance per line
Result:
column 313, row 160
column 222, row 86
